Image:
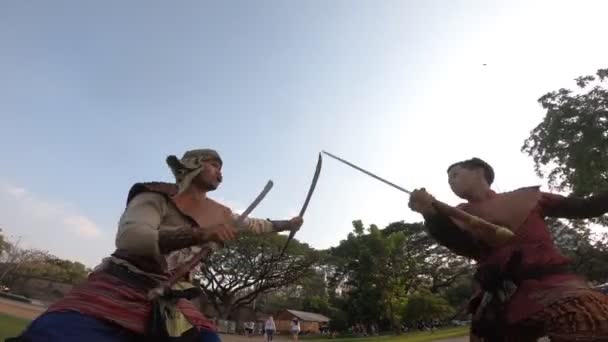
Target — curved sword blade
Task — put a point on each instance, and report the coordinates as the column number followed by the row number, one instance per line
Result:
column 255, row 203
column 311, row 190
column 313, row 185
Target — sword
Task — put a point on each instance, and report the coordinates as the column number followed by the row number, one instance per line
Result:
column 206, row 250
column 313, row 184
column 369, row 173
column 487, row 231
column 311, row 189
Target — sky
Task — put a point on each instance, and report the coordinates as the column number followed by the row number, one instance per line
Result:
column 95, row 95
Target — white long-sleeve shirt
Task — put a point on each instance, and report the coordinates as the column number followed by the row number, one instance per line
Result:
column 149, row 212
column 270, row 325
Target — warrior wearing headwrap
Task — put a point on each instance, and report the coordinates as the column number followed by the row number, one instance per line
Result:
column 162, row 227
column 524, row 289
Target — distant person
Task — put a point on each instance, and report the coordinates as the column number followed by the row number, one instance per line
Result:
column 270, row 328
column 295, row 328
column 249, row 328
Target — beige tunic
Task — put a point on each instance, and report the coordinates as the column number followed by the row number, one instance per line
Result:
column 148, row 213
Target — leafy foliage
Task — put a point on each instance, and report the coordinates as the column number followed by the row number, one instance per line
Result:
column 27, row 262
column 570, row 145
column 570, row 148
column 56, row 269
column 380, row 270
column 252, row 265
column 424, row 305
column 589, row 254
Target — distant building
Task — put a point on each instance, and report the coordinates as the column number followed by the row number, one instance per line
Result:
column 310, row 323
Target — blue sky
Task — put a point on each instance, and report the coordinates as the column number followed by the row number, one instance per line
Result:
column 94, row 96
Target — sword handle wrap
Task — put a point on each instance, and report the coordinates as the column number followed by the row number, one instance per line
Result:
column 490, row 233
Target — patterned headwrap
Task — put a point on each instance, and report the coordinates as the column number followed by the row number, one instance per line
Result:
column 190, row 165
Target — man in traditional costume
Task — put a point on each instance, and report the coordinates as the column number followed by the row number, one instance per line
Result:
column 524, row 289
column 163, row 225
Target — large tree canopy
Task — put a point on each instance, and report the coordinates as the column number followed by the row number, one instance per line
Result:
column 570, row 149
column 570, row 145
column 253, row 265
column 16, row 261
column 387, row 275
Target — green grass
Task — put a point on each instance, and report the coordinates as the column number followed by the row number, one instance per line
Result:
column 11, row 326
column 409, row 337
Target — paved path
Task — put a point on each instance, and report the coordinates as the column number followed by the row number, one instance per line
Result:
column 20, row 309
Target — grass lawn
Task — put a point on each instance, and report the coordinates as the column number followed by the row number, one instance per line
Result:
column 11, row 326
column 409, row 337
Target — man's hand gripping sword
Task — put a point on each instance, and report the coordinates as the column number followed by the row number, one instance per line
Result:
column 206, row 250
column 486, row 231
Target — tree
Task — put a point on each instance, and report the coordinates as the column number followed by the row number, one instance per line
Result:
column 250, row 266
column 378, row 270
column 13, row 258
column 17, row 261
column 426, row 306
column 575, row 239
column 372, row 271
column 439, row 267
column 338, row 320
column 570, row 148
column 459, row 293
column 3, row 243
column 55, row 269
column 572, row 139
column 308, row 293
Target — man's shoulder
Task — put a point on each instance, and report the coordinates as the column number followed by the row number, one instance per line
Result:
column 211, row 202
column 167, row 190
column 531, row 188
column 525, row 190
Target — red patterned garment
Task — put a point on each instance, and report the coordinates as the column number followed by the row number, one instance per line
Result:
column 108, row 298
column 533, row 241
column 531, row 261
